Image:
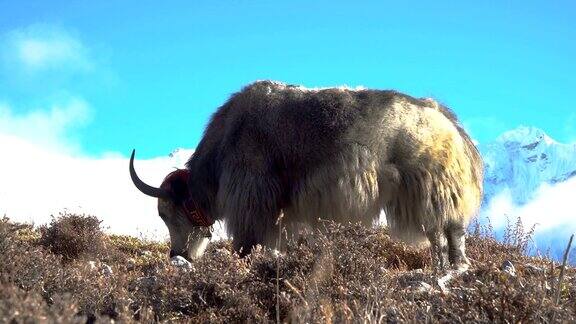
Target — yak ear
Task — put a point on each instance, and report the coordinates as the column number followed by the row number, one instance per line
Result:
column 177, row 184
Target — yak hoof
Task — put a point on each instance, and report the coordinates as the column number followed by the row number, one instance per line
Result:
column 461, row 267
column 450, row 275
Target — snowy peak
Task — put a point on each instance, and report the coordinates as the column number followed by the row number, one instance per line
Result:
column 526, row 137
column 524, row 158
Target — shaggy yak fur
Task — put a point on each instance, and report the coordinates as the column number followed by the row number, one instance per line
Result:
column 335, row 154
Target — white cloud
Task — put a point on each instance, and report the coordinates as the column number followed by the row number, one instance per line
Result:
column 43, row 174
column 37, row 183
column 47, row 128
column 551, row 210
column 42, row 169
column 42, row 47
column 552, row 207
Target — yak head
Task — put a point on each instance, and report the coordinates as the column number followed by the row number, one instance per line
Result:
column 188, row 226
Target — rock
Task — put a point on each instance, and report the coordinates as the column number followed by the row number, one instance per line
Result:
column 130, row 263
column 508, row 267
column 106, row 270
column 181, row 262
column 532, row 269
column 103, row 268
column 146, row 282
column 425, row 287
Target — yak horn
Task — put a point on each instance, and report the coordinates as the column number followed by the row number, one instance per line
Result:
column 146, row 189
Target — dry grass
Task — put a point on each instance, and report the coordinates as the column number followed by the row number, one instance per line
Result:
column 345, row 273
column 73, row 236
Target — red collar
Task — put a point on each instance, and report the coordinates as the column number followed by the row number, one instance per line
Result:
column 195, row 214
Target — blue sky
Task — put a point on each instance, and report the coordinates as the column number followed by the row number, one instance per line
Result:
column 135, row 74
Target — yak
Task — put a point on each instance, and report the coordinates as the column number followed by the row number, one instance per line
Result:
column 336, row 154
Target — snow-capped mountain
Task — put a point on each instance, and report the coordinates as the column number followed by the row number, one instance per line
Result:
column 523, row 159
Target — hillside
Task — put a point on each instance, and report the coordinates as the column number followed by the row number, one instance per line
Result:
column 70, row 271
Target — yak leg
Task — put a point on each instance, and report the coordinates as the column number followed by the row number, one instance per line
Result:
column 455, row 235
column 435, row 238
column 456, row 255
column 250, row 202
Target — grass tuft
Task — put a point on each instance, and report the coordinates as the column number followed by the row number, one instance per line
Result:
column 73, row 236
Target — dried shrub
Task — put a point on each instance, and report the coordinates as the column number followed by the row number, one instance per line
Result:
column 73, row 236
column 341, row 273
column 18, row 306
column 6, row 235
column 516, row 236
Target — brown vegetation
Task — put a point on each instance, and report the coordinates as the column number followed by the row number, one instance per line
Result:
column 69, row 271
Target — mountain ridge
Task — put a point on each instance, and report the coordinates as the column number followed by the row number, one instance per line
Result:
column 522, row 159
